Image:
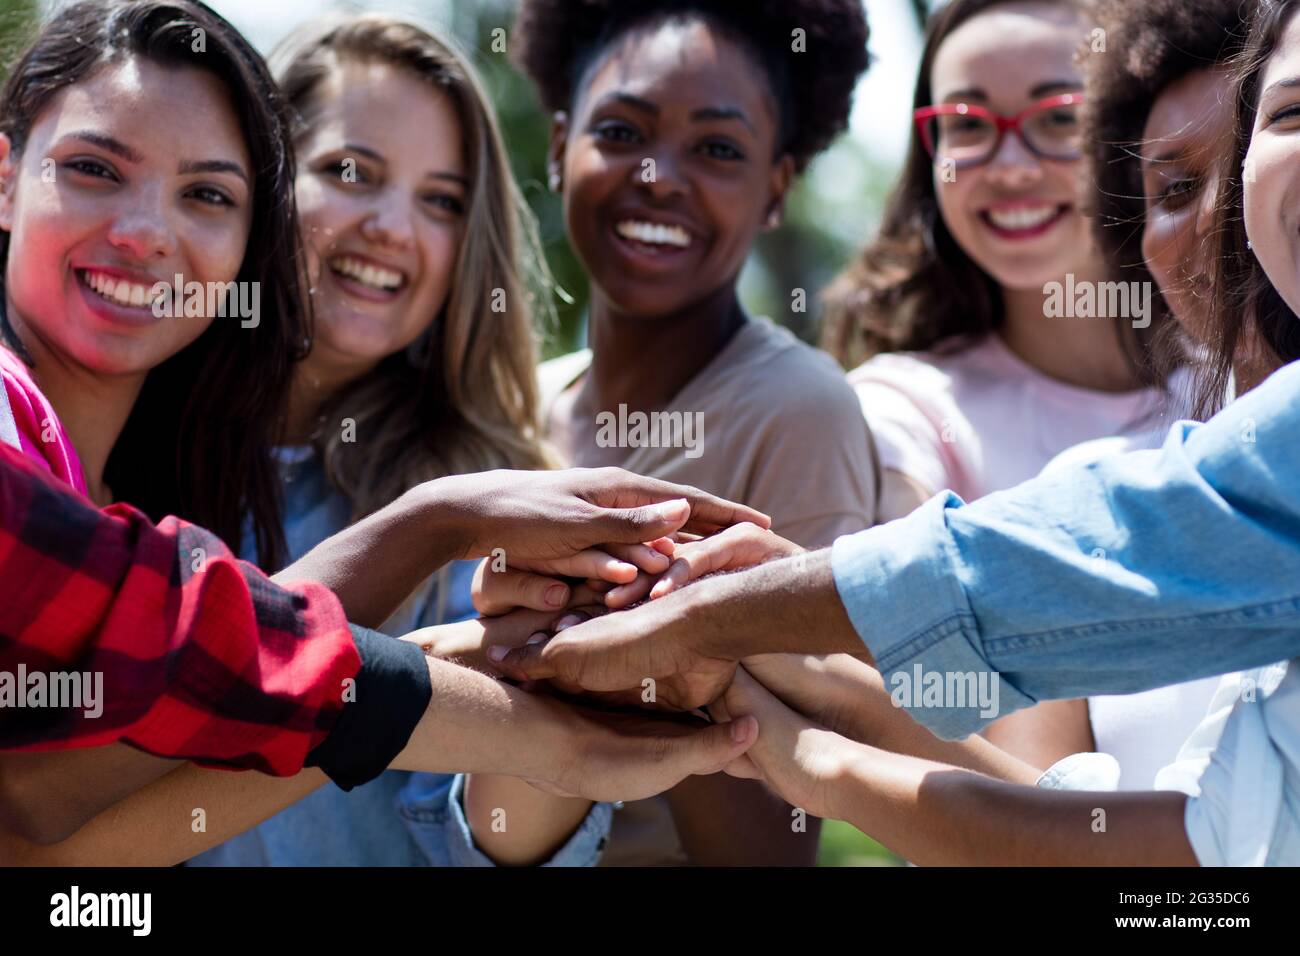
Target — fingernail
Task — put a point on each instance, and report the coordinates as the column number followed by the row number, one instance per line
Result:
column 497, row 653
column 737, row 731
column 539, row 638
column 567, row 621
column 556, row 594
column 672, row 510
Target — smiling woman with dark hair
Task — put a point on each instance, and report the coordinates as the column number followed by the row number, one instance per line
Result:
column 678, row 129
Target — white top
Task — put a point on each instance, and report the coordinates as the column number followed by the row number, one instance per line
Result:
column 983, row 419
column 1240, row 767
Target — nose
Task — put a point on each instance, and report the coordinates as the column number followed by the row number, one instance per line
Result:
column 660, row 177
column 390, row 222
column 143, row 231
column 1013, row 164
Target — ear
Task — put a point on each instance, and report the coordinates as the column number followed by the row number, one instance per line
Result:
column 8, row 175
column 782, row 178
column 556, row 151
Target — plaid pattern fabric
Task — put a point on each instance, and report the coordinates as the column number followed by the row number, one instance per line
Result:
column 203, row 658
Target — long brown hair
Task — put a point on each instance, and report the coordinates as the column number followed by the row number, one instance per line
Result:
column 197, row 441
column 913, row 287
column 463, row 398
column 1244, row 301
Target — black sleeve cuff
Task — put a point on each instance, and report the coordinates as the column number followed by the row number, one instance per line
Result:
column 392, row 694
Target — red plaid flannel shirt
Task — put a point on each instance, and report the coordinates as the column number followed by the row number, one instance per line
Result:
column 217, row 665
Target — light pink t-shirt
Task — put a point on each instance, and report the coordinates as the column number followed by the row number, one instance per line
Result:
column 27, row 417
column 983, row 419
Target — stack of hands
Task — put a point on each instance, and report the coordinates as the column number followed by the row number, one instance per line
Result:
column 644, row 697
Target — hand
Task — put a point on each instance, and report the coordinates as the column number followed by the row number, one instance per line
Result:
column 732, row 549
column 799, row 759
column 620, row 651
column 550, row 516
column 610, row 756
column 836, row 690
column 537, row 584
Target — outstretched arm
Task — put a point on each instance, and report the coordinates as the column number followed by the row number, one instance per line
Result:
column 936, row 814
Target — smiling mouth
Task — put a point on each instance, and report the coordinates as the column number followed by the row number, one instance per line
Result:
column 655, row 235
column 364, row 273
column 1024, row 221
column 120, row 292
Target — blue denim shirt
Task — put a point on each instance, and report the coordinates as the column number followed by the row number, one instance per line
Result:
column 1128, row 573
column 399, row 818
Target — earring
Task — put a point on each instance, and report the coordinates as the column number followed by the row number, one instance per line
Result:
column 554, row 182
column 1249, row 246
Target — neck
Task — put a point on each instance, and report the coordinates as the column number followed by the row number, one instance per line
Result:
column 643, row 362
column 316, row 380
column 92, row 407
column 1084, row 352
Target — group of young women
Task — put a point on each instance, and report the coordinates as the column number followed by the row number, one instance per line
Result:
column 360, row 179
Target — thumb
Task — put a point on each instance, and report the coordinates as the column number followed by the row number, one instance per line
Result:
column 713, row 748
column 646, row 523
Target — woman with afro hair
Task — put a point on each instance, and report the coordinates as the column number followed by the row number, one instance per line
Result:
column 678, row 129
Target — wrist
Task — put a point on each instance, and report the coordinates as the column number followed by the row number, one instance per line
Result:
column 442, row 507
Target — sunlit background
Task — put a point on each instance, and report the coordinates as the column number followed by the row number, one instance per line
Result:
column 833, row 210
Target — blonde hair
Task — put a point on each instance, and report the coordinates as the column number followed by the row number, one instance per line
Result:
column 463, row 397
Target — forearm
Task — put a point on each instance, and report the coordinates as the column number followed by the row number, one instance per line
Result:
column 375, row 564
column 46, row 797
column 1043, row 586
column 933, row 814
column 474, row 723
column 724, row 821
column 850, row 698
column 787, row 605
column 514, row 823
column 173, row 819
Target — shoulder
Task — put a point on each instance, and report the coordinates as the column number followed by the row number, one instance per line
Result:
column 788, row 378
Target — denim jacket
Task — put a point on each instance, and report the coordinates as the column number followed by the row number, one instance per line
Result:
column 1131, row 572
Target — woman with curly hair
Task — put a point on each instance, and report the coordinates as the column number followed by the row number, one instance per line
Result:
column 1159, row 110
column 678, row 129
column 978, row 373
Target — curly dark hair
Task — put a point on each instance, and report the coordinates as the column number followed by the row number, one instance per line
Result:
column 1152, row 45
column 557, row 40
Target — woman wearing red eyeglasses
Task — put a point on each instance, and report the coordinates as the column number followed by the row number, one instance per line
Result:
column 993, row 335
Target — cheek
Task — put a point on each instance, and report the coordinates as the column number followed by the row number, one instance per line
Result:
column 320, row 213
column 1163, row 249
column 441, row 249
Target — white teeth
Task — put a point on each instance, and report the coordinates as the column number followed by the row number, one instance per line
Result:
column 374, row 276
column 119, row 291
column 1023, row 218
column 654, row 234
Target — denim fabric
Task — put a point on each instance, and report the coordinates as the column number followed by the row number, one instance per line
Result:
column 1131, row 572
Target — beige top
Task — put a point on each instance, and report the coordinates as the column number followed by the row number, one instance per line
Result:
column 776, row 427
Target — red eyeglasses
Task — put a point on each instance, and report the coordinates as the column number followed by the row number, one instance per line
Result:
column 967, row 135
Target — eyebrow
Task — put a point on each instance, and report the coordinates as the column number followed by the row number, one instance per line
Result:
column 704, row 114
column 722, row 113
column 431, row 174
column 188, row 166
column 1037, row 92
column 107, row 143
column 111, row 144
column 1289, row 83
